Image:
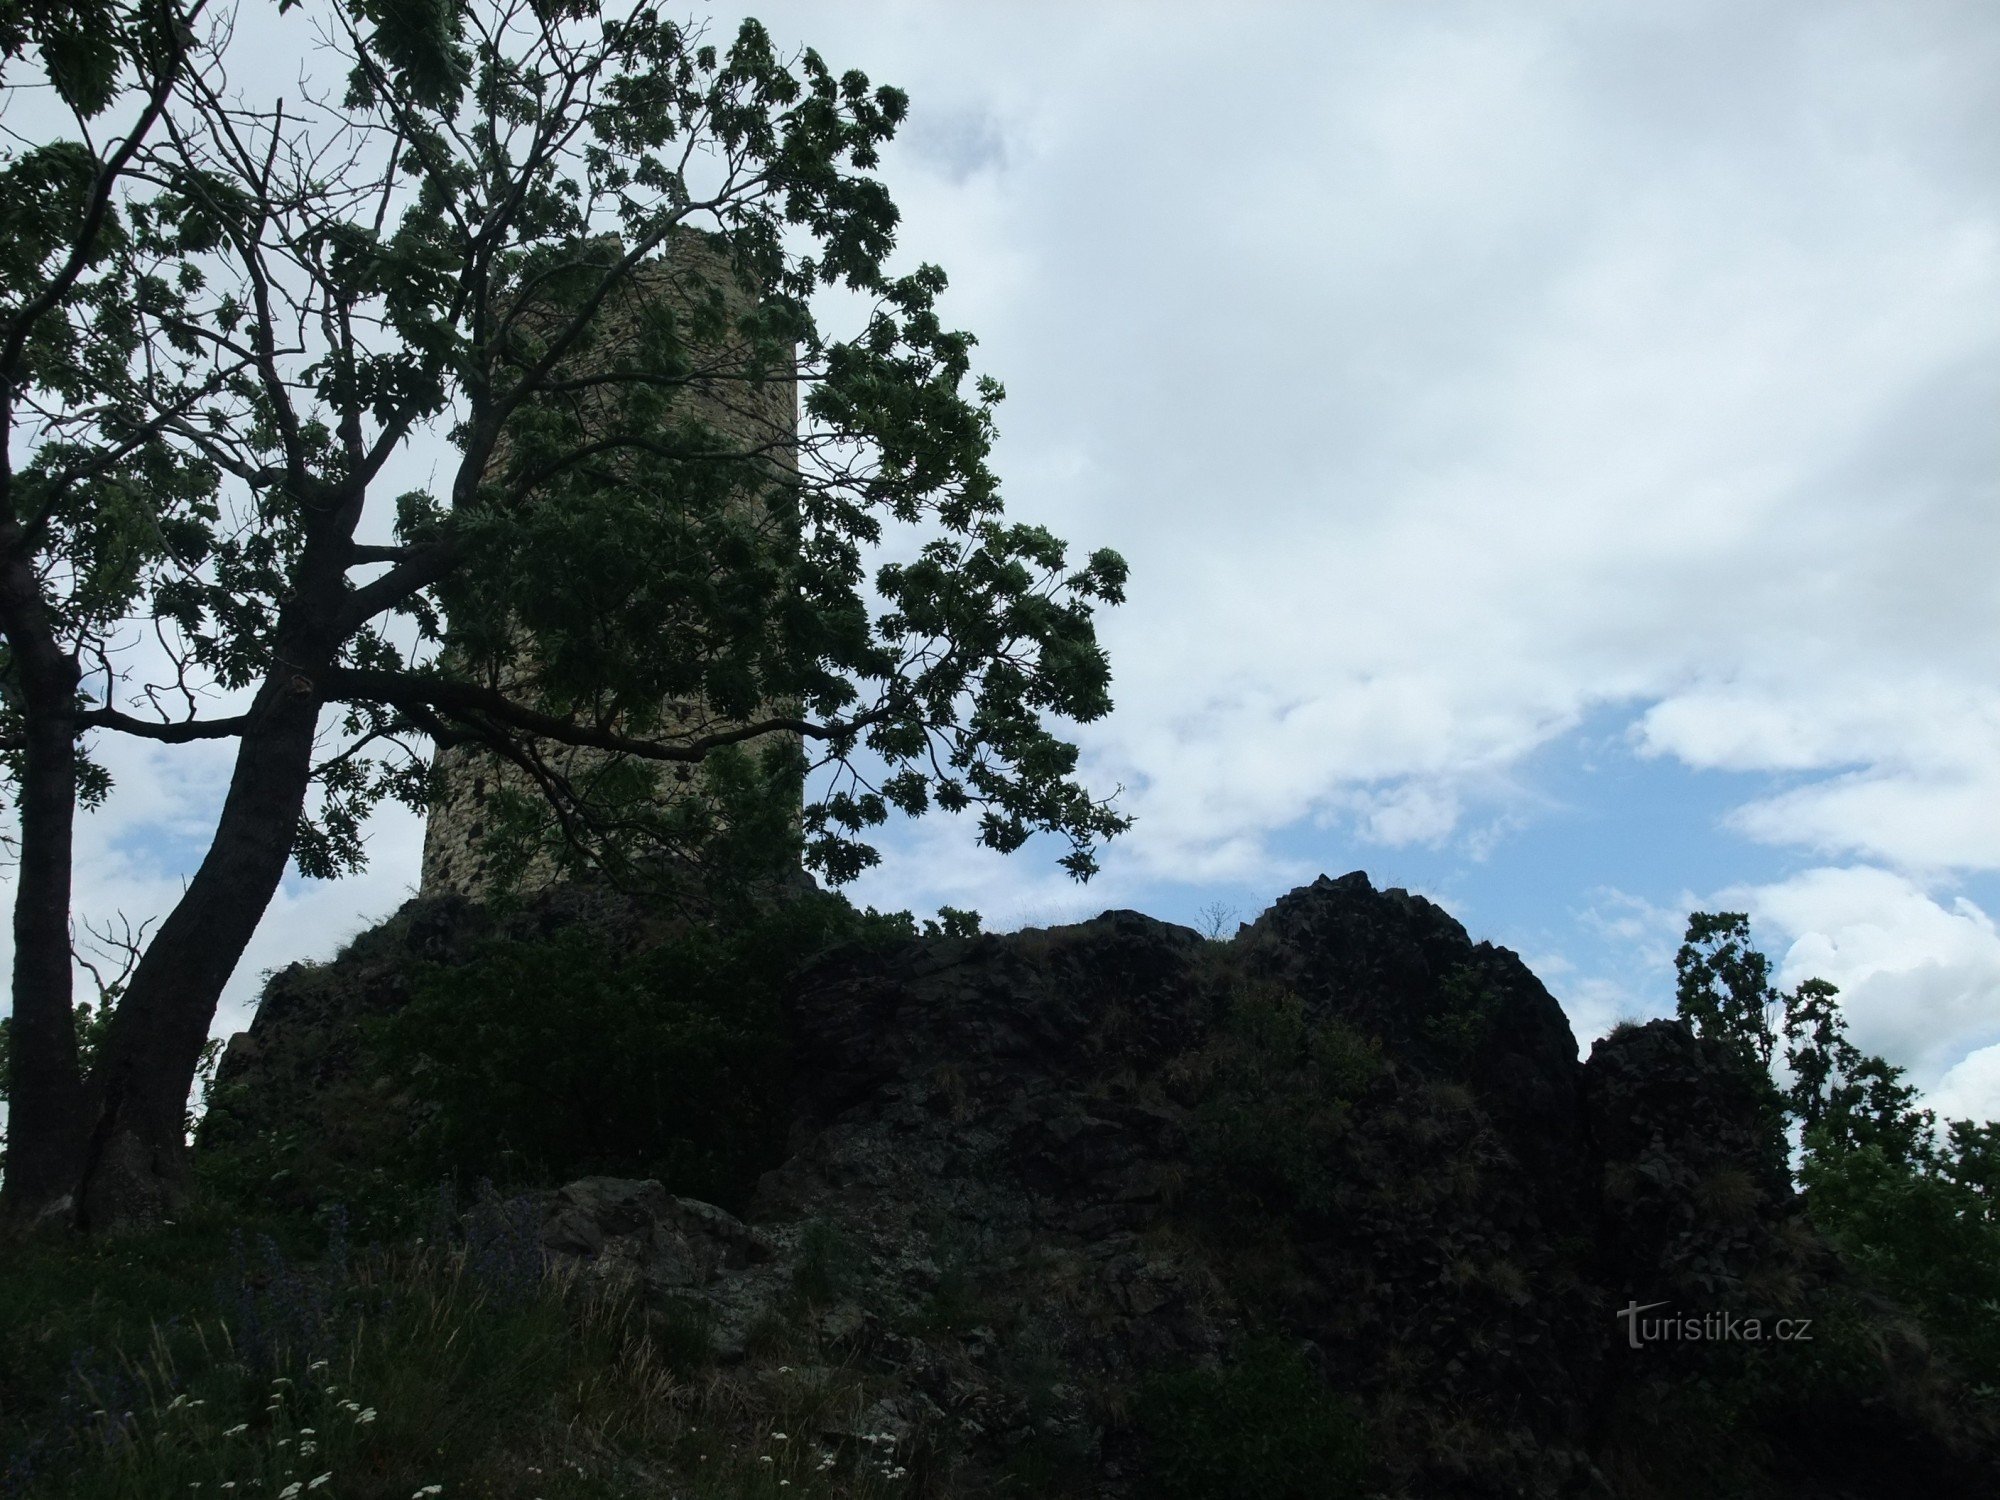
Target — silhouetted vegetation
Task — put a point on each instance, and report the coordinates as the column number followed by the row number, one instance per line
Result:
column 558, row 1058
column 1914, row 1206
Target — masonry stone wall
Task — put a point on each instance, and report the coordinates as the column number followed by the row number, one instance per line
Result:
column 457, row 854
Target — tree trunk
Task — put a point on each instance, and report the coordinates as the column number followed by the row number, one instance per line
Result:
column 135, row 1161
column 45, row 1125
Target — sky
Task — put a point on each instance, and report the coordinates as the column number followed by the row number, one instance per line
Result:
column 1554, row 446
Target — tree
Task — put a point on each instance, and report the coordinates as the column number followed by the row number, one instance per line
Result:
column 1842, row 1098
column 1723, row 991
column 547, row 230
column 1838, row 1097
column 1723, row 986
column 1918, row 1215
column 91, row 491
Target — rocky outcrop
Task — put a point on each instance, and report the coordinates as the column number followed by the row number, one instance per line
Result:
column 1030, row 1175
column 303, row 1102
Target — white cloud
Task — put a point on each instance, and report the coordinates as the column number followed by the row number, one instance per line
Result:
column 1648, row 931
column 1917, row 821
column 1595, row 1004
column 1971, row 1090
column 1407, row 814
column 1919, row 976
column 1614, row 427
column 1449, row 373
column 1913, row 758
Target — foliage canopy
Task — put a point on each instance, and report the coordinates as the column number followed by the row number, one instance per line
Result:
column 583, row 255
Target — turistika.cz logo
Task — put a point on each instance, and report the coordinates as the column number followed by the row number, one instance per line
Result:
column 1714, row 1327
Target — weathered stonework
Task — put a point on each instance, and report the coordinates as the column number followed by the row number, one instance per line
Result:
column 762, row 418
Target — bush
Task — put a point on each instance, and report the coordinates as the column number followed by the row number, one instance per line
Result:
column 1924, row 1238
column 1265, row 1428
column 1275, row 1088
column 559, row 1058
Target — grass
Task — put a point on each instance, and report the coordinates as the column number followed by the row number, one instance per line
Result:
column 1262, row 1428
column 193, row 1361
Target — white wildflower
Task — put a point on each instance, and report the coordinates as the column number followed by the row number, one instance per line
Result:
column 366, row 1416
column 291, row 1491
column 321, row 1480
column 238, row 1430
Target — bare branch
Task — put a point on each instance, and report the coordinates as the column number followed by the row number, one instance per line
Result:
column 125, row 945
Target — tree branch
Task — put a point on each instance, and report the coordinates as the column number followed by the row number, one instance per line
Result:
column 418, row 568
column 168, row 731
column 485, row 706
column 20, row 325
column 365, row 552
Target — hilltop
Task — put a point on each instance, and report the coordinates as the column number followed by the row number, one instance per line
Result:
column 1112, row 1209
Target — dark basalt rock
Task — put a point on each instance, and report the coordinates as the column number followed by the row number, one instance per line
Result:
column 300, row 1087
column 1400, row 968
column 1076, row 1150
column 1695, row 1198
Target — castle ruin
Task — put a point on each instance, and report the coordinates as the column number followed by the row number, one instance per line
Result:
column 760, row 414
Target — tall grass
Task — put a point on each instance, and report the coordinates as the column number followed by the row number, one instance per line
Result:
column 434, row 1368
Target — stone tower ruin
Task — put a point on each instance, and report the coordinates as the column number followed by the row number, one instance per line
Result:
column 760, row 416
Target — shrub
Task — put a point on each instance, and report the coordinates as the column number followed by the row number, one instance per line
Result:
column 193, row 1360
column 562, row 1057
column 1264, row 1428
column 1924, row 1238
column 1275, row 1088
